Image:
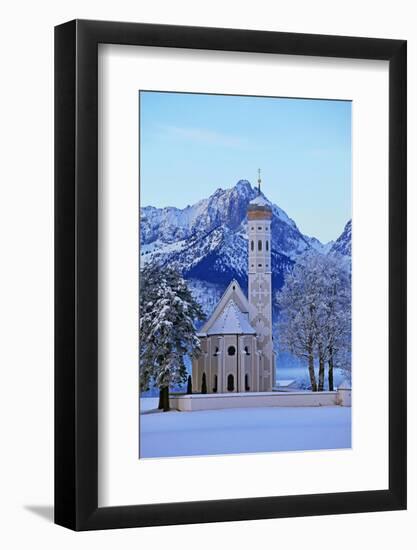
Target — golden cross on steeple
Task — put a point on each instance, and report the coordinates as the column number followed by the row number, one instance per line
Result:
column 259, row 181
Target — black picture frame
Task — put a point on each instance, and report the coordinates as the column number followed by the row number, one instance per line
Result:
column 76, row 272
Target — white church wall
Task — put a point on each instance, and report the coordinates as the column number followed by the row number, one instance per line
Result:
column 230, row 362
column 259, row 293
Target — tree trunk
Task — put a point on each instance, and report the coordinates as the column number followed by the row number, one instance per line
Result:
column 331, row 383
column 321, row 369
column 311, row 371
column 164, row 398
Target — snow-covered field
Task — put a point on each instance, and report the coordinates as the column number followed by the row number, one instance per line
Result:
column 232, row 431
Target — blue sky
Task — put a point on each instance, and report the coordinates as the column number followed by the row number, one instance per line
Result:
column 192, row 144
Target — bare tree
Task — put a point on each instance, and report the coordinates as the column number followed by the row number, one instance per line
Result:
column 315, row 317
column 297, row 329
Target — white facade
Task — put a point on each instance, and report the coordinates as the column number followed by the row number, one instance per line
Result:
column 229, row 356
column 236, row 341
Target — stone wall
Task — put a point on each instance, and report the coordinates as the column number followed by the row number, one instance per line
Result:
column 200, row 402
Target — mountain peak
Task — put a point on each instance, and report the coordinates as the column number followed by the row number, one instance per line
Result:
column 243, row 184
column 343, row 245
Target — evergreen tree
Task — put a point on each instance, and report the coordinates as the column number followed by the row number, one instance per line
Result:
column 166, row 329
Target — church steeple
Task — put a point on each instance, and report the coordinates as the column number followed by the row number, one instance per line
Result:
column 259, row 216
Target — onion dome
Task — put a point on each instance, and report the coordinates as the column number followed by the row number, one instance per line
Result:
column 259, row 208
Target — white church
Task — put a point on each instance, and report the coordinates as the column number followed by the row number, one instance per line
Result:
column 236, row 341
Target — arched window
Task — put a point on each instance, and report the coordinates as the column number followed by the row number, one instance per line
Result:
column 247, row 350
column 216, row 352
column 231, row 350
column 247, row 388
column 215, row 384
column 252, row 246
column 230, row 382
column 259, row 245
column 204, row 383
column 267, row 245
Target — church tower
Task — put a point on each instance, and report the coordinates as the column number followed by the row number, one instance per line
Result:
column 259, row 216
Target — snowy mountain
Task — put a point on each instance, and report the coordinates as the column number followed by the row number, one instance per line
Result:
column 207, row 241
column 318, row 245
column 343, row 245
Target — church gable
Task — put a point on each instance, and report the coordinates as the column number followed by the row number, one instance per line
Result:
column 231, row 321
column 234, row 293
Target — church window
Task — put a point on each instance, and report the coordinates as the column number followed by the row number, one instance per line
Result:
column 230, row 382
column 247, row 388
column 215, row 384
column 247, row 350
column 216, row 352
column 259, row 228
column 252, row 246
column 252, row 228
column 259, row 245
column 259, row 265
column 231, row 350
column 267, row 245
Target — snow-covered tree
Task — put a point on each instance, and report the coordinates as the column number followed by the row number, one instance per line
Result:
column 334, row 327
column 315, row 315
column 297, row 301
column 166, row 329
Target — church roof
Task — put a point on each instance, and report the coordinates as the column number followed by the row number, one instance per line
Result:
column 231, row 321
column 233, row 292
column 259, row 200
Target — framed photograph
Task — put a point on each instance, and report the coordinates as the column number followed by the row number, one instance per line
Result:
column 230, row 253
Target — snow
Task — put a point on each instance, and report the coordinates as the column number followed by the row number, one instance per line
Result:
column 231, row 321
column 207, row 294
column 285, row 383
column 319, row 246
column 260, row 200
column 231, row 431
column 343, row 245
